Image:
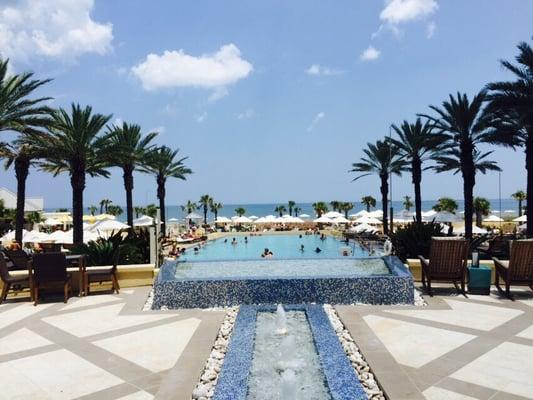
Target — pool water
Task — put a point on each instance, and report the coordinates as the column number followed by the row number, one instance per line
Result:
column 282, row 247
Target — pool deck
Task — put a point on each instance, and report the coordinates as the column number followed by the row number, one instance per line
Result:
column 105, row 347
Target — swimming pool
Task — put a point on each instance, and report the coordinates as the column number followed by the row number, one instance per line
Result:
column 282, row 247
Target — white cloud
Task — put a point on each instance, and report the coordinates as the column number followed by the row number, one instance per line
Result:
column 249, row 113
column 201, row 118
column 430, row 29
column 60, row 29
column 401, row 11
column 319, row 70
column 177, row 69
column 370, row 54
column 321, row 115
column 219, row 93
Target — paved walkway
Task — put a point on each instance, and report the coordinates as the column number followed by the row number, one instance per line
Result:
column 102, row 347
column 454, row 349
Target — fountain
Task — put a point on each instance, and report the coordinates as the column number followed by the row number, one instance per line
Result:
column 281, row 320
column 289, row 389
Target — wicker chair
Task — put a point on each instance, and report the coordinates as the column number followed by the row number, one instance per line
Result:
column 447, row 263
column 19, row 259
column 102, row 274
column 15, row 282
column 49, row 269
column 518, row 270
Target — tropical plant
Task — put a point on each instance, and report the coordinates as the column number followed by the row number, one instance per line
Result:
column 519, row 196
column 345, row 207
column 139, row 211
column 116, row 211
column 415, row 143
column 189, row 207
column 23, row 115
column 381, row 159
column 407, row 203
column 74, row 145
column 291, row 204
column 335, row 205
column 446, row 204
column 92, row 210
column 151, row 210
column 481, row 209
column 464, row 126
column 215, row 208
column 240, row 211
column 368, row 202
column 320, row 208
column 280, row 210
column 104, row 204
column 414, row 239
column 34, row 217
column 511, row 105
column 205, row 202
column 297, row 211
column 128, row 151
column 163, row 163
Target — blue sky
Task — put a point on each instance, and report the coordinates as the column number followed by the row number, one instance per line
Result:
column 270, row 100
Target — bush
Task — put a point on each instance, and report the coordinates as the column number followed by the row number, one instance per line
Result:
column 414, row 239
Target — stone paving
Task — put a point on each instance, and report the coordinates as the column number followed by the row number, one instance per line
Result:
column 105, row 347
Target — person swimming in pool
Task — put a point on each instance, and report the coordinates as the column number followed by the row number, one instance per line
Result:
column 234, row 242
column 318, row 250
column 246, row 239
column 302, row 248
column 225, row 240
column 196, row 250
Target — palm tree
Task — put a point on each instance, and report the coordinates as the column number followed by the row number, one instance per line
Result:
column 415, row 143
column 116, row 211
column 139, row 211
column 381, row 159
column 511, row 104
column 215, row 208
column 446, row 204
column 205, row 202
column 20, row 114
column 129, row 150
column 464, row 126
column 519, row 196
column 162, row 162
column 297, row 210
column 150, row 210
column 291, row 205
column 481, row 209
column 345, row 206
column 280, row 210
column 73, row 145
column 407, row 203
column 368, row 202
column 92, row 210
column 320, row 208
column 335, row 205
column 240, row 211
column 190, row 206
column 104, row 204
column 34, row 217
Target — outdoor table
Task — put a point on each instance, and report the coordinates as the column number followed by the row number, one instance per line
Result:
column 78, row 261
column 479, row 280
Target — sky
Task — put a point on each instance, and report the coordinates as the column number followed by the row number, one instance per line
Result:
column 270, row 100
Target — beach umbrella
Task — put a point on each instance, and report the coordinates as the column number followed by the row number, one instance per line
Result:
column 522, row 227
column 369, row 220
column 362, row 228
column 323, row 220
column 404, row 214
column 143, row 220
column 361, row 213
column 476, row 230
column 492, row 218
column 445, row 216
column 253, row 217
column 242, row 220
column 104, row 217
column 52, row 222
column 11, row 235
column 173, row 221
column 428, row 214
column 333, row 214
column 376, row 214
column 108, row 225
column 34, row 236
column 261, row 220
column 304, row 216
column 222, row 220
column 193, row 215
column 523, row 218
column 341, row 220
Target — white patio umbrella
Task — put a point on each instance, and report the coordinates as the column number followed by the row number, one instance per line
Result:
column 222, row 220
column 404, row 214
column 445, row 216
column 341, row 220
column 362, row 228
column 242, row 220
column 193, row 215
column 108, row 225
column 173, row 220
column 11, row 235
column 253, row 217
column 522, row 227
column 51, row 222
column 333, row 214
column 476, row 230
column 428, row 214
column 304, row 216
column 260, row 220
column 522, row 218
column 492, row 218
column 376, row 214
column 361, row 213
column 34, row 237
column 323, row 220
column 369, row 220
column 143, row 220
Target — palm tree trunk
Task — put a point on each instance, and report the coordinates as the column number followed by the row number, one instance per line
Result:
column 128, row 185
column 519, row 207
column 22, row 167
column 367, row 207
column 77, row 181
column 385, row 201
column 205, row 214
column 529, row 189
column 417, row 179
column 161, row 196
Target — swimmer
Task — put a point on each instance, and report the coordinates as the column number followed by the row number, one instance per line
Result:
column 196, row 250
column 234, row 242
column 302, row 248
column 317, row 250
column 246, row 239
column 225, row 240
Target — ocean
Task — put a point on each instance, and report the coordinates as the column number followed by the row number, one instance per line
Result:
column 260, row 210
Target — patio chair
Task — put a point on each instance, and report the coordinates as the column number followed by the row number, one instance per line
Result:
column 102, row 274
column 50, row 269
column 15, row 282
column 447, row 263
column 518, row 270
column 18, row 258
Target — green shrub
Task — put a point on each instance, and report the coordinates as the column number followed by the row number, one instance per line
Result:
column 414, row 239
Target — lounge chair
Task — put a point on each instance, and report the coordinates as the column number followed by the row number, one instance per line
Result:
column 18, row 258
column 518, row 270
column 15, row 282
column 50, row 269
column 102, row 274
column 447, row 263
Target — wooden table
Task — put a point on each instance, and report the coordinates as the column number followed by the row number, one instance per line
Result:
column 78, row 260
